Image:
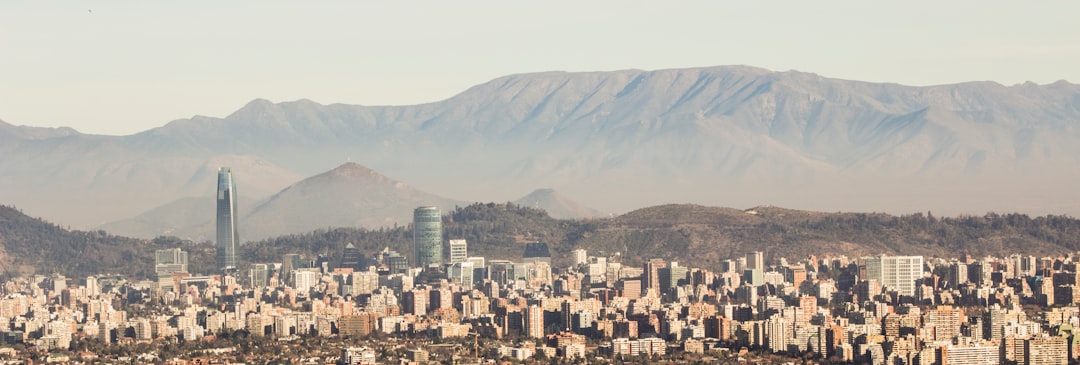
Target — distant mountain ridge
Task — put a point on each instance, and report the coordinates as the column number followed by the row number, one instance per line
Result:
column 730, row 135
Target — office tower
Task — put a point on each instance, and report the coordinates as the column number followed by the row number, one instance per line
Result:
column 479, row 269
column 458, row 250
column 415, row 301
column 228, row 239
column 170, row 261
column 537, row 251
column 581, row 257
column 651, row 275
column 363, row 282
column 92, row 288
column 259, row 275
column 978, row 273
column 897, row 273
column 289, row 262
column 462, row 273
column 958, row 275
column 352, row 258
column 427, row 236
column 305, row 279
column 501, row 272
column 727, row 266
column 393, row 261
column 755, row 260
column 672, row 276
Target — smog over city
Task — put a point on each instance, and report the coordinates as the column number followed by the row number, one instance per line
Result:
column 556, row 182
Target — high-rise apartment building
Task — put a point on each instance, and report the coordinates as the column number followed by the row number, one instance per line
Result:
column 533, row 318
column 228, row 239
column 897, row 273
column 427, row 236
column 1050, row 350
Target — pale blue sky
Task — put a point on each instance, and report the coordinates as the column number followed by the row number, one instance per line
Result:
column 118, row 67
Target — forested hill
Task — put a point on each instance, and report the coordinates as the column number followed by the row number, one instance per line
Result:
column 698, row 235
column 694, row 235
column 31, row 245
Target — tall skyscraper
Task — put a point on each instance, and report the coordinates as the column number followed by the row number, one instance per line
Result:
column 427, row 236
column 228, row 239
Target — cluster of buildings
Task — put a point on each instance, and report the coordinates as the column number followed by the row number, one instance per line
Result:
column 878, row 310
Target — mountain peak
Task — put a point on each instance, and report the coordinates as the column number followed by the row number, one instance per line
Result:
column 350, row 195
column 557, row 205
column 253, row 108
column 353, row 169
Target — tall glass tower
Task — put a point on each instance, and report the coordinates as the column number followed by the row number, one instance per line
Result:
column 228, row 240
column 427, row 236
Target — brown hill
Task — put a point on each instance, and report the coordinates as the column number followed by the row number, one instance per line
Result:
column 350, row 195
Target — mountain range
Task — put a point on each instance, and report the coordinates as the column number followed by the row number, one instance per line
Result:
column 729, row 135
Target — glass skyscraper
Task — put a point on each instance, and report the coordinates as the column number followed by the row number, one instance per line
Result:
column 228, row 240
column 427, row 236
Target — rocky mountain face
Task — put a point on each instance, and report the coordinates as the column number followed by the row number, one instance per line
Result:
column 732, row 136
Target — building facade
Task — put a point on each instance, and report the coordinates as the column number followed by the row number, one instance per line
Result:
column 458, row 251
column 897, row 273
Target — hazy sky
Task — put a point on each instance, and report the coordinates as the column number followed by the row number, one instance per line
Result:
column 118, row 67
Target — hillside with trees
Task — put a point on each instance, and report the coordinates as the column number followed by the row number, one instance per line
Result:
column 703, row 236
column 691, row 234
column 33, row 246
